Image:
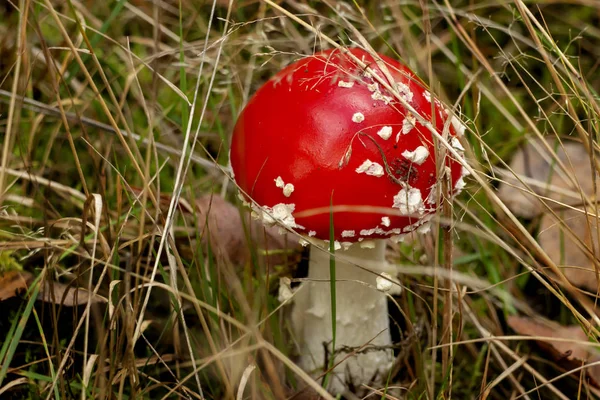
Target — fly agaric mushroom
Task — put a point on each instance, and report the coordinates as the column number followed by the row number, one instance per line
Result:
column 323, row 135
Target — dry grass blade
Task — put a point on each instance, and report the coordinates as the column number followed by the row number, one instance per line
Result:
column 244, row 381
column 7, row 142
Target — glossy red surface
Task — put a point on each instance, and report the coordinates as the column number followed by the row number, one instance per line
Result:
column 299, row 125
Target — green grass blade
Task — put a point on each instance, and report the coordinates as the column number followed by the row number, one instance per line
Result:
column 332, row 290
column 18, row 332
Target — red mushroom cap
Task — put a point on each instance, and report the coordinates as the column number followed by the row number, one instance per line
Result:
column 322, row 131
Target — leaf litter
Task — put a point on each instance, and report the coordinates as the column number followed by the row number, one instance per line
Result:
column 14, row 283
column 578, row 263
column 568, row 349
column 536, row 167
column 572, row 241
column 69, row 296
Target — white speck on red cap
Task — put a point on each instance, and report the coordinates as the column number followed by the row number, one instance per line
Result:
column 409, row 201
column 281, row 213
column 459, row 127
column 373, row 87
column 408, row 124
column 288, row 188
column 432, row 196
column 405, row 91
column 368, row 232
column 348, row 233
column 378, row 96
column 385, row 133
column 358, row 117
column 427, row 95
column 417, row 156
column 457, row 144
column 464, row 172
column 370, row 168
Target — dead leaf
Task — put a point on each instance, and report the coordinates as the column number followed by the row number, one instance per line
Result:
column 530, row 327
column 53, row 292
column 12, row 282
column 536, row 166
column 565, row 349
column 224, row 224
column 553, row 237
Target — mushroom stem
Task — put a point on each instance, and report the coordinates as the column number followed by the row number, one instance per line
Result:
column 361, row 318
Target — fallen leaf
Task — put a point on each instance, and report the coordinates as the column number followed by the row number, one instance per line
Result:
column 548, row 329
column 12, row 282
column 567, row 253
column 564, row 349
column 53, row 292
column 223, row 222
column 534, row 164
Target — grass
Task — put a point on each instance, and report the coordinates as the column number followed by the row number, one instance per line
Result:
column 116, row 119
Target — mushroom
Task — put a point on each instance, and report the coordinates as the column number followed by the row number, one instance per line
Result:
column 323, row 139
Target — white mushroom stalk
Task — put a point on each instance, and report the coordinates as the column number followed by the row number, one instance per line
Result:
column 362, row 322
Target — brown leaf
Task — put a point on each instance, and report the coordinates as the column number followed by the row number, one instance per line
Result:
column 13, row 282
column 53, row 292
column 530, row 327
column 536, row 165
column 565, row 349
column 224, row 224
column 553, row 237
